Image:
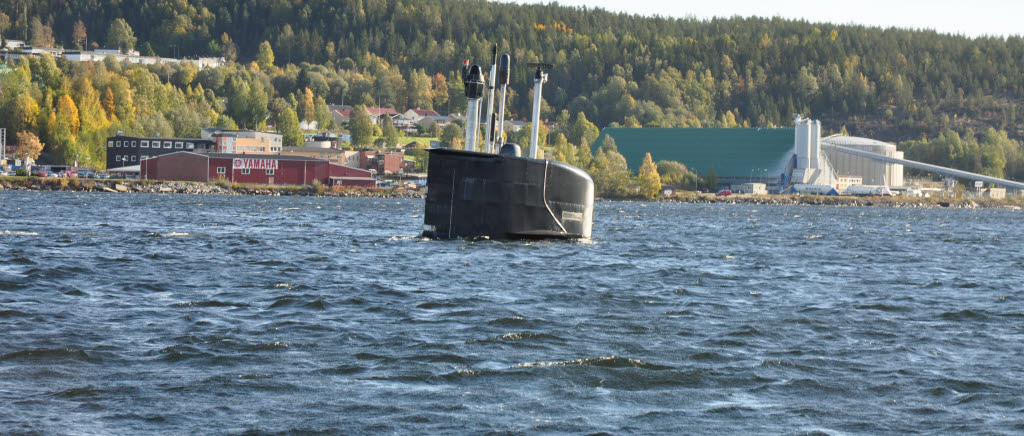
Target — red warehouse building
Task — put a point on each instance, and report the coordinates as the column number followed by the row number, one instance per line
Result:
column 251, row 168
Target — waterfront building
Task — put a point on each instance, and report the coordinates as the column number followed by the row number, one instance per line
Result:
column 128, row 151
column 248, row 168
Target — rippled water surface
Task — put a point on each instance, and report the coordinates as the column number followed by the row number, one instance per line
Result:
column 141, row 314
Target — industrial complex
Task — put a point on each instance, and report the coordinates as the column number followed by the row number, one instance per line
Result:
column 779, row 160
column 250, row 157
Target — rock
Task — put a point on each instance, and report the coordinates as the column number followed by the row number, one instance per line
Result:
column 107, row 189
column 120, row 188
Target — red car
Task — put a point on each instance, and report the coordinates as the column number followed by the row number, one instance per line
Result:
column 724, row 193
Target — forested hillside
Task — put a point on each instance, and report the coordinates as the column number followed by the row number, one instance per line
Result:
column 616, row 69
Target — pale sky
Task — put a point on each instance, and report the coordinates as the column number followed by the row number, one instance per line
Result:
column 970, row 18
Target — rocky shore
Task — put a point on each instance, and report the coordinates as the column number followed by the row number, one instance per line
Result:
column 196, row 188
column 218, row 188
column 848, row 201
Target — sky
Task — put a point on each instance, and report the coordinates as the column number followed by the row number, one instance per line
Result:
column 971, row 18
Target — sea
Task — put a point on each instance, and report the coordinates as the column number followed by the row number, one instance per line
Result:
column 178, row 314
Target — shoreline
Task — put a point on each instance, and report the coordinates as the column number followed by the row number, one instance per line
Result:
column 22, row 183
column 851, row 201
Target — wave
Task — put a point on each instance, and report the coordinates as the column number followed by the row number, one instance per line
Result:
column 18, row 233
column 210, row 303
column 48, row 355
column 603, row 362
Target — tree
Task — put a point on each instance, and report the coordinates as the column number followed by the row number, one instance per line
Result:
column 451, row 136
column 185, row 74
column 78, row 35
column 581, row 131
column 323, row 114
column 265, row 57
column 227, row 48
column 26, row 111
column 389, row 134
column 28, row 145
column 439, row 90
column 611, row 174
column 419, row 90
column 225, row 122
column 608, row 144
column 146, row 49
column 672, row 172
column 288, row 125
column 120, row 35
column 649, row 180
column 308, row 107
column 360, row 126
column 5, row 23
column 286, row 41
column 42, row 36
column 711, row 180
column 68, row 122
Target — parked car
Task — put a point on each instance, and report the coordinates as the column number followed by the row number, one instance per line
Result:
column 724, row 193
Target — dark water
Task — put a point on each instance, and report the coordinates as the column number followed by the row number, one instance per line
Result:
column 135, row 314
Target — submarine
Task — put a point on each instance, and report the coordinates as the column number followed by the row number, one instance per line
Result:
column 497, row 193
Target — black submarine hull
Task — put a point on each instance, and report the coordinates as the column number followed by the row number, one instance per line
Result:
column 474, row 195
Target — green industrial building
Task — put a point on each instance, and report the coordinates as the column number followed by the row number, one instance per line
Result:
column 737, row 155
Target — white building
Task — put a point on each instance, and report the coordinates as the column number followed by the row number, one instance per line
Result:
column 870, row 171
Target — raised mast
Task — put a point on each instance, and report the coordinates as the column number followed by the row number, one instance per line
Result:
column 538, row 82
column 473, row 79
column 504, row 67
column 489, row 143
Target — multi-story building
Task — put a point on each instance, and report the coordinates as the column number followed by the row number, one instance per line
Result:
column 126, row 151
column 244, row 141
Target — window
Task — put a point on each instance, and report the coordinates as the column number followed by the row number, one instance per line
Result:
column 190, row 145
column 270, row 172
column 135, row 144
column 167, row 144
column 179, row 144
column 145, row 144
column 133, row 158
column 117, row 158
column 118, row 144
column 221, row 170
column 246, row 171
column 110, row 144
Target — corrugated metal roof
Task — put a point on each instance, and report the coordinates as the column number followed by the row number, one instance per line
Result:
column 731, row 152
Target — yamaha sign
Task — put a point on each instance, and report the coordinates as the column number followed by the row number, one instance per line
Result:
column 254, row 164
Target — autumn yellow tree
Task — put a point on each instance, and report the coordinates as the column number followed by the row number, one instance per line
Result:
column 439, row 90
column 308, row 106
column 28, row 145
column 64, row 125
column 25, row 112
column 649, row 180
column 67, row 121
column 108, row 104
